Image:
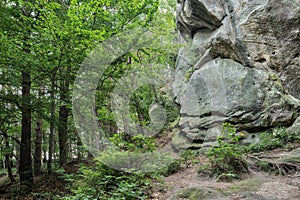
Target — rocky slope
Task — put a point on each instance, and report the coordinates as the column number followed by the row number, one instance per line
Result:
column 240, row 63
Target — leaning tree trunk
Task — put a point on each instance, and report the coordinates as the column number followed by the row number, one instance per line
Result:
column 25, row 168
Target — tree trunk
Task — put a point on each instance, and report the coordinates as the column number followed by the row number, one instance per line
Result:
column 38, row 140
column 17, row 156
column 63, row 123
column 9, row 168
column 79, row 145
column 8, row 162
column 38, row 148
column 44, row 148
column 52, row 125
column 25, row 168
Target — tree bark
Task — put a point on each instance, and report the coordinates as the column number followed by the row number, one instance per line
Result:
column 63, row 123
column 38, row 139
column 52, row 125
column 25, row 168
column 79, row 145
column 8, row 162
column 38, row 148
column 44, row 148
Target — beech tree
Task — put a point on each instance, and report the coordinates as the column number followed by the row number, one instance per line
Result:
column 43, row 44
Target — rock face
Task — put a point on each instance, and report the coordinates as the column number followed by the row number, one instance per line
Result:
column 240, row 63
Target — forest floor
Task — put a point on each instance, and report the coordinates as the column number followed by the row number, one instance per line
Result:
column 188, row 184
column 45, row 187
column 185, row 184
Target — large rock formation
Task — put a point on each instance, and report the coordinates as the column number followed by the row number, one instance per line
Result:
column 240, row 63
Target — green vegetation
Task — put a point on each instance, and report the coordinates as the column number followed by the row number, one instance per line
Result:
column 278, row 138
column 43, row 44
column 100, row 181
column 228, row 157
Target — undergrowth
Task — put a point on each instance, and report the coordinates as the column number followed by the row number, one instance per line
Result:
column 227, row 159
column 99, row 181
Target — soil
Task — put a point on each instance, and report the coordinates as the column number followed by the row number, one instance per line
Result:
column 257, row 185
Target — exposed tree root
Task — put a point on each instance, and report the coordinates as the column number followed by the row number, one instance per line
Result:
column 282, row 168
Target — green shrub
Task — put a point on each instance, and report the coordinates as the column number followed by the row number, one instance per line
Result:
column 278, row 138
column 187, row 157
column 133, row 181
column 267, row 142
column 284, row 136
column 102, row 182
column 138, row 143
column 171, row 168
column 227, row 158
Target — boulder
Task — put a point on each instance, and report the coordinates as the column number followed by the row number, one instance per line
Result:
column 240, row 63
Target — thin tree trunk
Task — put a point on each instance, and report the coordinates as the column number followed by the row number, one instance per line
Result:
column 25, row 168
column 9, row 168
column 17, row 154
column 63, row 123
column 8, row 160
column 38, row 140
column 79, row 145
column 52, row 125
column 38, row 148
column 44, row 149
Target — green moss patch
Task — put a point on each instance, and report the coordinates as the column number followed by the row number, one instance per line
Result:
column 201, row 193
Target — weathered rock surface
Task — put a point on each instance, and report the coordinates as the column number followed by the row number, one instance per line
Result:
column 292, row 157
column 295, row 128
column 240, row 64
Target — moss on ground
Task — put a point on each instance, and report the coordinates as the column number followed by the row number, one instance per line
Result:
column 248, row 185
column 201, row 193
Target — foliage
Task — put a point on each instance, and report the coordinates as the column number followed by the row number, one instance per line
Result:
column 284, row 136
column 138, row 143
column 278, row 138
column 188, row 156
column 49, row 40
column 267, row 142
column 227, row 158
column 185, row 160
column 172, row 168
column 102, row 182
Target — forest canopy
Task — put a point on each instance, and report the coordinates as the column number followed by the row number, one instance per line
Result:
column 43, row 44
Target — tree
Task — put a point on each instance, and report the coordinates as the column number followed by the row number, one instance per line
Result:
column 19, row 18
column 43, row 44
column 38, row 136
